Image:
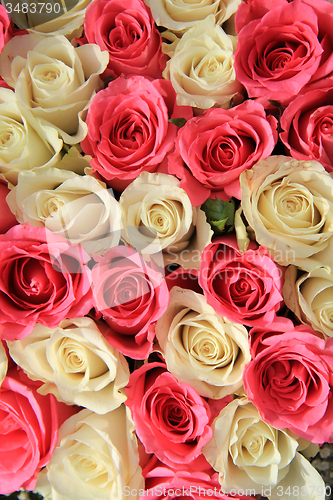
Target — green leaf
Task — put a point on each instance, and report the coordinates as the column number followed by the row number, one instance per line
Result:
column 180, row 122
column 220, row 214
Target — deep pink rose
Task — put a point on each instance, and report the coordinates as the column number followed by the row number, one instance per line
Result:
column 244, row 287
column 213, row 149
column 29, row 424
column 5, row 27
column 307, row 125
column 127, row 31
column 171, row 419
column 7, row 218
column 129, row 130
column 131, row 296
column 259, row 336
column 284, row 48
column 184, row 278
column 42, row 279
column 291, row 381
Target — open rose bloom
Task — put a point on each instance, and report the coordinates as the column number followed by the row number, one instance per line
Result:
column 166, row 249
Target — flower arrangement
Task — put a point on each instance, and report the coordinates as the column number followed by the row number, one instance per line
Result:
column 166, row 237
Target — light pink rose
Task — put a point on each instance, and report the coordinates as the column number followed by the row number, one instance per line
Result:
column 131, row 297
column 29, row 426
column 290, row 382
column 284, row 48
column 42, row 279
column 126, row 30
column 170, row 418
column 307, row 127
column 129, row 130
column 213, row 149
column 245, row 288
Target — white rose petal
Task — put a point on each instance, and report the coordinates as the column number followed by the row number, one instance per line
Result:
column 75, row 363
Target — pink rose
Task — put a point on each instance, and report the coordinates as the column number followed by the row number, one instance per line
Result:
column 131, row 297
column 129, row 130
column 307, row 125
column 243, row 287
column 128, row 32
column 5, row 27
column 284, row 48
column 42, row 279
column 171, row 419
column 7, row 218
column 290, row 382
column 213, row 149
column 29, row 426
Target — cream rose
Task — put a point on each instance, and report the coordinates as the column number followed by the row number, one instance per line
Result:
column 97, row 457
column 23, row 147
column 80, row 208
column 75, row 363
column 3, row 363
column 180, row 15
column 158, row 216
column 52, row 18
column 201, row 68
column 310, row 297
column 201, row 348
column 289, row 205
column 53, row 81
column 251, row 455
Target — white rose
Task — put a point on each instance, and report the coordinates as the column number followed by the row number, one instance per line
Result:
column 80, row 208
column 158, row 216
column 97, row 457
column 76, row 364
column 3, row 363
column 53, row 81
column 201, row 69
column 51, row 17
column 251, row 455
column 180, row 15
column 289, row 205
column 310, row 297
column 204, row 350
column 23, row 147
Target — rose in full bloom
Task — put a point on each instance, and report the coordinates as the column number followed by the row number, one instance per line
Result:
column 200, row 347
column 128, row 33
column 201, row 69
column 129, row 130
column 75, row 363
column 29, row 431
column 78, row 207
column 180, row 15
column 23, row 147
column 250, row 454
column 97, row 457
column 284, row 48
column 52, row 17
column 53, row 81
column 245, row 288
column 171, row 419
column 159, row 217
column 42, row 279
column 132, row 296
column 290, row 382
column 309, row 296
column 289, row 205
column 213, row 149
column 307, row 127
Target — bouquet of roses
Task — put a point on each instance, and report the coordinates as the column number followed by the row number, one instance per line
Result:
column 166, row 248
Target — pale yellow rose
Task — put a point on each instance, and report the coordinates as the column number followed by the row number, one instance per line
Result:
column 56, row 17
column 201, row 68
column 3, row 363
column 76, row 364
column 159, row 217
column 80, row 208
column 202, row 349
column 251, row 455
column 53, row 81
column 289, row 205
column 180, row 15
column 310, row 297
column 97, row 457
column 22, row 146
